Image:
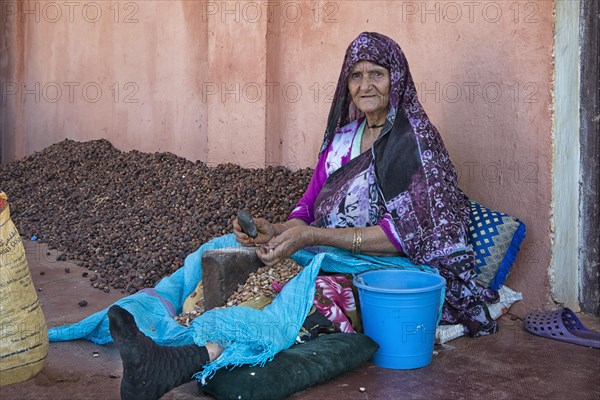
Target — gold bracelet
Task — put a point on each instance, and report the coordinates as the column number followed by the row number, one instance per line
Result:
column 357, row 240
column 358, row 235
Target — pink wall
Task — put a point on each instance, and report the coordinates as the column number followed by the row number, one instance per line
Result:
column 134, row 83
column 251, row 83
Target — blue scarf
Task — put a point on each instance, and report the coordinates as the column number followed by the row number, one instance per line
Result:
column 249, row 336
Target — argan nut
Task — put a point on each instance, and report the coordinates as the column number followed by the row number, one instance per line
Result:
column 85, row 197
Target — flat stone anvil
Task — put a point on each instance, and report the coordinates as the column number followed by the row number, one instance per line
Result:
column 223, row 270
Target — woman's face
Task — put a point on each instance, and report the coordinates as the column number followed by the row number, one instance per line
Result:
column 369, row 86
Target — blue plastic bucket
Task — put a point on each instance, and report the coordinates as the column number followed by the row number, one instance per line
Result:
column 400, row 312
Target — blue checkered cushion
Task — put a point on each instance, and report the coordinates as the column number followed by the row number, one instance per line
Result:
column 496, row 238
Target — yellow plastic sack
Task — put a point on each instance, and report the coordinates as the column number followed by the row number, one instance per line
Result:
column 23, row 330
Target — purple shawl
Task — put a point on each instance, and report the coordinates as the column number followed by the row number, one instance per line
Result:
column 417, row 183
column 417, row 180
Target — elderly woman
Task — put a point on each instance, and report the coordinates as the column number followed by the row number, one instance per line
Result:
column 383, row 186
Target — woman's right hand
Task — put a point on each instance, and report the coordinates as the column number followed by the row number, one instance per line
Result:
column 264, row 228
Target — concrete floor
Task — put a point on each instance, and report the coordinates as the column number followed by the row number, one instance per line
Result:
column 512, row 364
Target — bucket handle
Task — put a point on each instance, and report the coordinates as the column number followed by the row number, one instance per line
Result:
column 359, row 279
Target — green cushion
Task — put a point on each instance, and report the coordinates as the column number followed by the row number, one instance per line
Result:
column 294, row 369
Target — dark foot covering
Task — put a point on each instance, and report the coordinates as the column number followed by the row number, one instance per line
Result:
column 150, row 370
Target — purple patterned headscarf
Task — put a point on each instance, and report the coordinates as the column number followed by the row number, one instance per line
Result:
column 416, row 179
column 380, row 49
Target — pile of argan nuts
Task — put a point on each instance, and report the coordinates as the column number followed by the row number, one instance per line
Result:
column 131, row 218
column 259, row 283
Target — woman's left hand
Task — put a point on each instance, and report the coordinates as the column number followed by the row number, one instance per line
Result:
column 281, row 247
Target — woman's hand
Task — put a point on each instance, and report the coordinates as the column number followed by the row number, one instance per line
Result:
column 264, row 228
column 284, row 245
